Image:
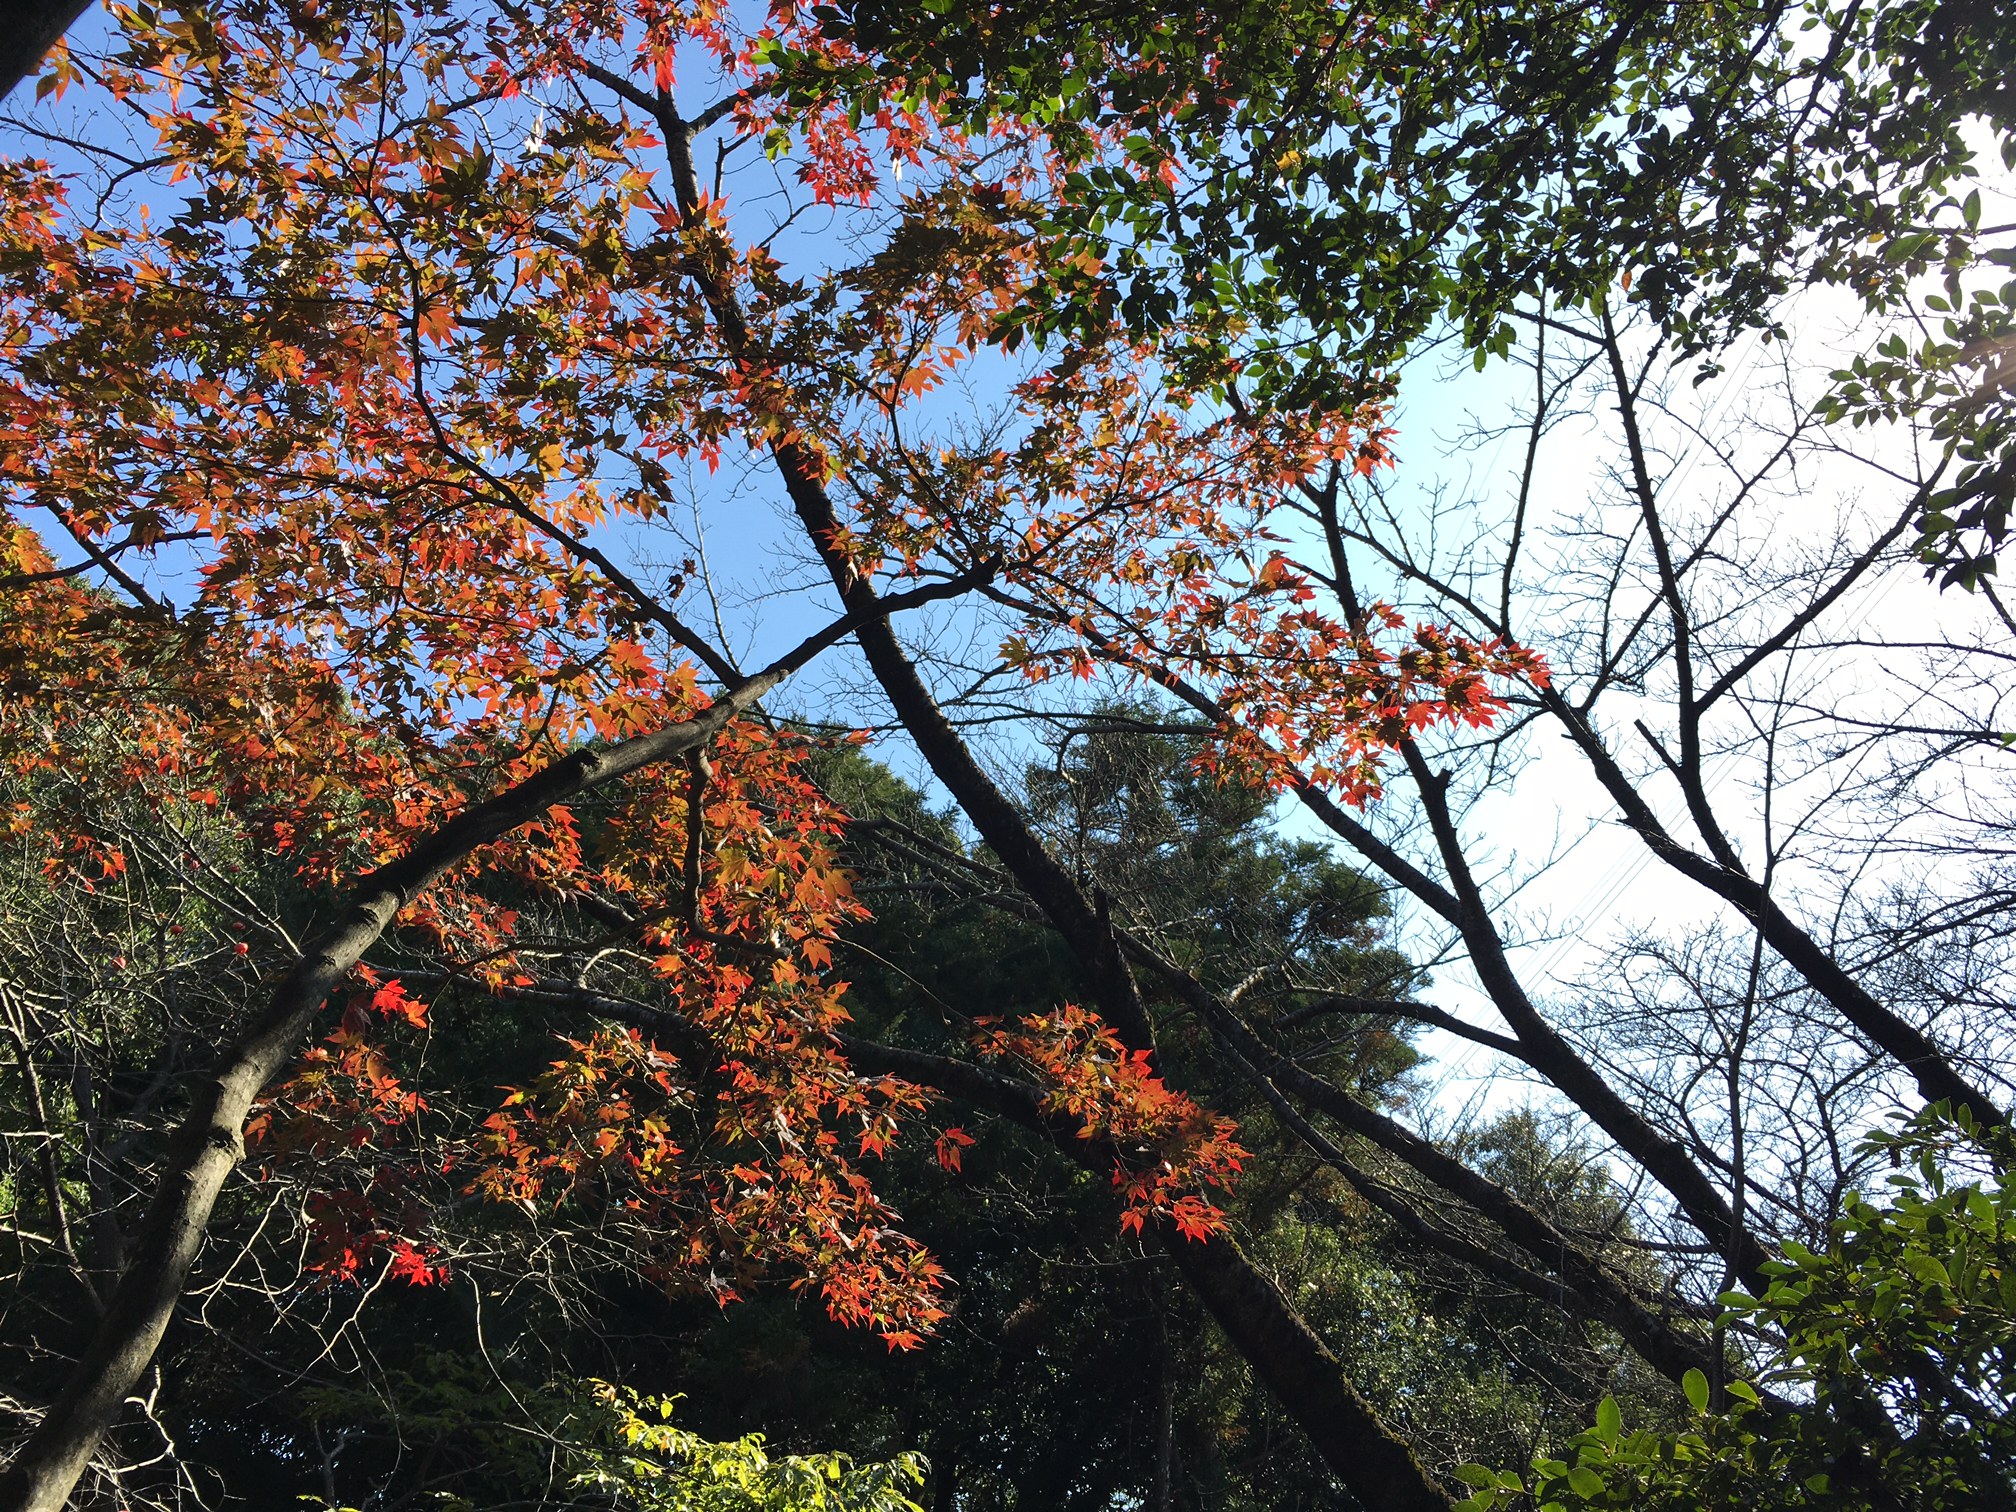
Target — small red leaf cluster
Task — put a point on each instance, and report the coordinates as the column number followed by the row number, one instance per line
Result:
column 346, row 1127
column 1170, row 1154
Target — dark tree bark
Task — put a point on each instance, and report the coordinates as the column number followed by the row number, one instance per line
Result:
column 28, row 29
column 1368, row 1458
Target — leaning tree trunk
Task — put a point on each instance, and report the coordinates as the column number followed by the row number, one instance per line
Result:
column 209, row 1144
column 28, row 29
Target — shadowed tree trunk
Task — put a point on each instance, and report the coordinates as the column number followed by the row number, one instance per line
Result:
column 28, row 29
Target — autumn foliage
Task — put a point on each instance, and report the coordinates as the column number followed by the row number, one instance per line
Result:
column 1168, row 1153
column 322, row 465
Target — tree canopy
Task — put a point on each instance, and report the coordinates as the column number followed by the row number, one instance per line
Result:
column 466, row 986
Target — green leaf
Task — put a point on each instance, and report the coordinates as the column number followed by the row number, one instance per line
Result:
column 1695, row 1384
column 1585, row 1482
column 1609, row 1420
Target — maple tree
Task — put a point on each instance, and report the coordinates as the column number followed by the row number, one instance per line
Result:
column 345, row 419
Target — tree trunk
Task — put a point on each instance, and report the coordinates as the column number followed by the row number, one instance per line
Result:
column 1369, row 1460
column 1373, row 1462
column 209, row 1144
column 28, row 29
